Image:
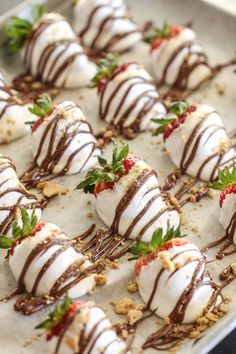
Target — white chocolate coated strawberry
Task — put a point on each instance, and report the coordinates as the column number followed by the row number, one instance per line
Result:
column 39, row 261
column 105, row 25
column 13, row 196
column 64, row 141
column 136, row 207
column 176, row 278
column 180, row 61
column 14, row 114
column 200, row 145
column 91, row 324
column 130, row 99
column 54, row 54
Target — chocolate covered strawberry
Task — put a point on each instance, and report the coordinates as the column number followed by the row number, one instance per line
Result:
column 14, row 114
column 130, row 188
column 51, row 50
column 196, row 140
column 177, row 58
column 227, row 185
column 128, row 97
column 62, row 139
column 172, row 277
column 82, row 327
column 44, row 261
column 13, row 196
column 105, row 25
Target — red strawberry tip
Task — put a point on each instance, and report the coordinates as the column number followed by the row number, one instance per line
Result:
column 145, row 260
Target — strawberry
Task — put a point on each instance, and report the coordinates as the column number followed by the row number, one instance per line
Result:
column 108, row 69
column 225, row 192
column 37, row 124
column 159, row 242
column 226, row 183
column 162, row 34
column 37, row 228
column 41, row 108
column 58, row 319
column 58, row 327
column 108, row 174
column 145, row 260
column 102, row 186
column 129, row 162
column 29, row 228
column 181, row 111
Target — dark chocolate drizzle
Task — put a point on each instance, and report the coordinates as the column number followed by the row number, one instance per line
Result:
column 228, row 238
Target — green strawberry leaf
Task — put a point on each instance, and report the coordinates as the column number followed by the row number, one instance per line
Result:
column 107, row 172
column 106, row 68
column 56, row 316
column 163, row 32
column 143, row 248
column 179, row 108
column 42, row 106
column 28, row 225
column 226, row 178
column 18, row 30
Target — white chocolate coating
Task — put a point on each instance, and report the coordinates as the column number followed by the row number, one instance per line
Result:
column 172, row 283
column 228, row 216
column 94, row 322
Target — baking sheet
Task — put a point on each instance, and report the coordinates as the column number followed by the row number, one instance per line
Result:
column 217, row 32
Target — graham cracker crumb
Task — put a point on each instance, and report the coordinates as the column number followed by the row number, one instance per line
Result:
column 50, row 189
column 165, row 260
column 132, row 286
column 100, row 279
column 89, row 214
column 134, row 315
column 124, row 333
column 233, row 267
column 123, row 306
